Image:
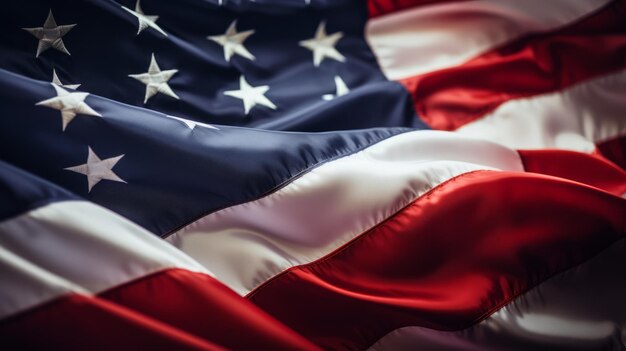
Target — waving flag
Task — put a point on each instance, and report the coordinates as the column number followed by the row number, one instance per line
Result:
column 384, row 175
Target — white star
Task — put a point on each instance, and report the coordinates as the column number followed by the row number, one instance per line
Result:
column 323, row 45
column 251, row 95
column 144, row 20
column 233, row 42
column 57, row 81
column 96, row 169
column 156, row 80
column 191, row 124
column 70, row 104
column 340, row 88
column 50, row 35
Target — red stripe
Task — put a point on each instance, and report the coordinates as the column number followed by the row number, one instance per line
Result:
column 381, row 7
column 448, row 260
column 614, row 150
column 202, row 306
column 171, row 310
column 77, row 322
column 590, row 170
column 536, row 64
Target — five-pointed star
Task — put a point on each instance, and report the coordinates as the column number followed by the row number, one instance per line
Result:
column 144, row 20
column 156, row 80
column 70, row 104
column 323, row 45
column 50, row 35
column 96, row 169
column 251, row 95
column 233, row 42
column 340, row 89
column 57, row 81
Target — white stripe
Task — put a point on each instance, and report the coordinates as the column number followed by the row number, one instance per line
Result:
column 575, row 119
column 76, row 246
column 23, row 284
column 581, row 309
column 313, row 215
column 432, row 37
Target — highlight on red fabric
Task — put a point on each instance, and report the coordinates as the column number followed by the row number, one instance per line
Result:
column 175, row 309
column 591, row 170
column 204, row 307
column 535, row 64
column 448, row 260
column 78, row 322
column 381, row 7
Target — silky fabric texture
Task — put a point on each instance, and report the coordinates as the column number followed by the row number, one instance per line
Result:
column 220, row 318
column 173, row 173
column 381, row 7
column 450, row 98
column 588, row 170
column 422, row 268
column 331, row 204
column 204, row 307
column 105, row 49
column 132, row 330
column 53, row 238
column 448, row 33
column 72, row 265
column 576, row 118
column 580, row 309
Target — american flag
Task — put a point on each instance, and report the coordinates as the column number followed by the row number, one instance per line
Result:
column 313, row 174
